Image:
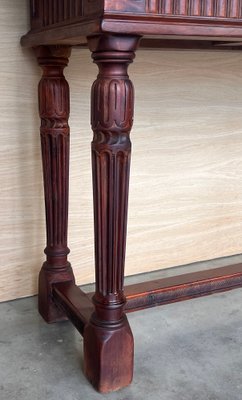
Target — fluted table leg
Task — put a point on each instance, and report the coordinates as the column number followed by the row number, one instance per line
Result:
column 108, row 340
column 54, row 113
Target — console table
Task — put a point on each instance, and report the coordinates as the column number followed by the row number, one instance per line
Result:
column 113, row 30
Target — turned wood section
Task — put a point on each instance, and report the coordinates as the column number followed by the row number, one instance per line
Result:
column 112, row 118
column 54, row 111
column 112, row 30
column 78, row 305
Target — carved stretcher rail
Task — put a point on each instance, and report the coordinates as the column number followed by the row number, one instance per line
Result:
column 112, row 30
column 79, row 308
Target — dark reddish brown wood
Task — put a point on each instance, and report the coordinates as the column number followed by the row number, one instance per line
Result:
column 70, row 22
column 221, row 9
column 186, row 44
column 112, row 30
column 183, row 44
column 179, row 27
column 79, row 307
column 54, row 131
column 46, row 13
column 76, row 304
column 108, row 335
column 182, row 287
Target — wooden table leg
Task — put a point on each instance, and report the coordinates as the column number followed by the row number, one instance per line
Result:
column 108, row 340
column 54, row 114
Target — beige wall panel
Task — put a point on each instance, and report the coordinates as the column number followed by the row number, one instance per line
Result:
column 186, row 176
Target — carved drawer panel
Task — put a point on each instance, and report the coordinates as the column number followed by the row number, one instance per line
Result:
column 49, row 12
column 187, row 8
column 203, row 8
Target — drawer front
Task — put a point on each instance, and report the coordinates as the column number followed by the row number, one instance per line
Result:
column 186, row 8
column 201, row 8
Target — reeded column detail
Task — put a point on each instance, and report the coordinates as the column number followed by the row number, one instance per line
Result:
column 112, row 109
column 112, row 117
column 54, row 108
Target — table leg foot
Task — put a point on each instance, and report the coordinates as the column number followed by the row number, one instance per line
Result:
column 108, row 340
column 108, row 356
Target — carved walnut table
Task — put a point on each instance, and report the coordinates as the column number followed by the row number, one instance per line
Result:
column 112, row 30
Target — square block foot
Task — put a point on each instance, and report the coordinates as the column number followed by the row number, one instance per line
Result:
column 108, row 356
column 46, row 304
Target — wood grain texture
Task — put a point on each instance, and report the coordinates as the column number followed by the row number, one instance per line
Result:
column 203, row 8
column 152, row 293
column 182, row 287
column 108, row 335
column 46, row 13
column 54, row 111
column 49, row 12
column 187, row 8
column 192, row 210
column 191, row 167
column 157, row 18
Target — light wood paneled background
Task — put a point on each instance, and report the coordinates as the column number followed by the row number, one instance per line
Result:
column 186, row 177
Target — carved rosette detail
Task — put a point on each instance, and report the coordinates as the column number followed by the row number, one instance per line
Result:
column 54, row 113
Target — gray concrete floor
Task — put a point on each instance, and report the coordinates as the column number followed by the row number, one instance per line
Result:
column 188, row 351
